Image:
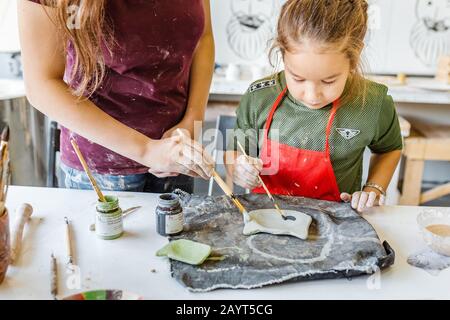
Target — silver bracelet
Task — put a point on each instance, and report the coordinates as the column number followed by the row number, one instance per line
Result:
column 375, row 186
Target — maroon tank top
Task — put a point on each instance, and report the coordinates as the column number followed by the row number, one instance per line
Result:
column 147, row 78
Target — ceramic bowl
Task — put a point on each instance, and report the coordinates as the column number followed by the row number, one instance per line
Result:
column 428, row 217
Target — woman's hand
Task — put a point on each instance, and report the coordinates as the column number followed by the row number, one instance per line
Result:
column 178, row 155
column 246, row 171
column 187, row 130
column 363, row 199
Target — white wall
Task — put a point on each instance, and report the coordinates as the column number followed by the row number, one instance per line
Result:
column 390, row 46
column 9, row 35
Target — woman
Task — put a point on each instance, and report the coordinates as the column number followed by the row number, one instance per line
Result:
column 121, row 77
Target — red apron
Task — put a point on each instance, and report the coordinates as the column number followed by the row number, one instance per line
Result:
column 301, row 172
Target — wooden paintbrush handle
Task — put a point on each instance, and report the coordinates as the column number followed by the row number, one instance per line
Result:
column 263, row 184
column 266, row 189
column 4, row 172
column 88, row 172
column 225, row 188
column 227, row 191
column 68, row 242
column 23, row 214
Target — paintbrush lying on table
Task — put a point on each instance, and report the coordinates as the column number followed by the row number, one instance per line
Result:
column 69, row 246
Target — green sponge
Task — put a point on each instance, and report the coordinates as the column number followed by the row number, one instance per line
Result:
column 186, row 251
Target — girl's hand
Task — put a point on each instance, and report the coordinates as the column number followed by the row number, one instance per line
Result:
column 246, row 171
column 363, row 199
column 179, row 155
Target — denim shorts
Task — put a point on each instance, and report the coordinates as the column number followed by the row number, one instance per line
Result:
column 144, row 182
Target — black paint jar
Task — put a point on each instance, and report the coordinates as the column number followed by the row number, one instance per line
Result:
column 169, row 215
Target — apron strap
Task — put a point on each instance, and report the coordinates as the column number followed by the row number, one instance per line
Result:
column 330, row 124
column 275, row 105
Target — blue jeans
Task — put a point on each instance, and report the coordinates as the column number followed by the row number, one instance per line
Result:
column 144, row 182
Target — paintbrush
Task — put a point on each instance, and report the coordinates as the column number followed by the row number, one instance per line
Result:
column 283, row 215
column 230, row 194
column 4, row 168
column 53, row 277
column 5, row 138
column 69, row 246
column 224, row 187
column 88, row 172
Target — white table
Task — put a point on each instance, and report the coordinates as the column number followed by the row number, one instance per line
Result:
column 127, row 263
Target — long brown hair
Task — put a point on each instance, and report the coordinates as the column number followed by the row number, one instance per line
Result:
column 339, row 24
column 83, row 26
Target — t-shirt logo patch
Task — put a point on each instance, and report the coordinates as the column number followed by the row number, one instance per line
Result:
column 348, row 133
column 262, row 85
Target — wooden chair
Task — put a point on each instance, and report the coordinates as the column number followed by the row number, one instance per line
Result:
column 427, row 142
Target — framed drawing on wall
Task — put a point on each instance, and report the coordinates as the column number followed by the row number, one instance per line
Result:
column 409, row 36
column 243, row 30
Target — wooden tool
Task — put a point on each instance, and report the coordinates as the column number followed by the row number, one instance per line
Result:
column 69, row 245
column 23, row 214
column 230, row 194
column 88, row 172
column 265, row 188
column 53, row 276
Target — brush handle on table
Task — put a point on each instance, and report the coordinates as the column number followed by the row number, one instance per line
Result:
column 69, row 247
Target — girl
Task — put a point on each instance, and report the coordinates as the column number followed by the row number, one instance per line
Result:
column 319, row 114
column 121, row 76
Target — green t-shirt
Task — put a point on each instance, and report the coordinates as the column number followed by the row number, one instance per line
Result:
column 356, row 126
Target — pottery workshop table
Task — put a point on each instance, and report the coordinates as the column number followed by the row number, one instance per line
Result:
column 129, row 263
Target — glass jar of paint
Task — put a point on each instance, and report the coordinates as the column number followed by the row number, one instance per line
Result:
column 4, row 244
column 108, row 219
column 169, row 215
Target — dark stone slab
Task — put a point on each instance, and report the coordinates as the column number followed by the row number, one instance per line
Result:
column 340, row 244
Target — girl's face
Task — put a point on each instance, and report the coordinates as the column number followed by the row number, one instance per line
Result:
column 315, row 77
